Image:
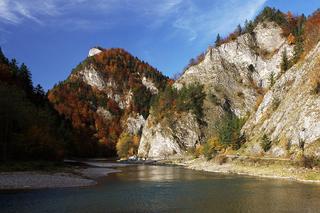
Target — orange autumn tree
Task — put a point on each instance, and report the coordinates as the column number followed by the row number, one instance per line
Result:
column 312, row 31
column 99, row 113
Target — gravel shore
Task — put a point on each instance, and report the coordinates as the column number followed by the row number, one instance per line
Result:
column 78, row 177
column 37, row 180
column 274, row 170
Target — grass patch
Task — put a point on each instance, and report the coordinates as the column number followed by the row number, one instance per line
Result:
column 312, row 176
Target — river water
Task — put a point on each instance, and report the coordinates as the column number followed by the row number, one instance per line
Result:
column 169, row 189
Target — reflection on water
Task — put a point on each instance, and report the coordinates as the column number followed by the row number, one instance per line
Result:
column 170, row 189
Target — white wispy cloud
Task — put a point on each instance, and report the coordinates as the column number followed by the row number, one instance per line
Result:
column 188, row 17
column 220, row 17
column 6, row 14
column 17, row 11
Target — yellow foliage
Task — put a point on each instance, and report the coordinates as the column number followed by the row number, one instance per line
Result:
column 315, row 80
column 258, row 101
column 136, row 140
column 198, row 150
column 291, row 39
column 127, row 145
column 215, row 144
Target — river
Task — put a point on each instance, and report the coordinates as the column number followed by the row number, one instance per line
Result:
column 146, row 188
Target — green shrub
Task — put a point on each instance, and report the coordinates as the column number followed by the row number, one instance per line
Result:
column 188, row 98
column 275, row 104
column 266, row 143
column 221, row 159
column 285, row 63
column 229, row 131
column 207, row 151
column 308, row 162
column 272, row 79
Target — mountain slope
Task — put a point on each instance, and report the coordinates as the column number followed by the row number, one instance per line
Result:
column 289, row 114
column 30, row 128
column 261, row 77
column 107, row 94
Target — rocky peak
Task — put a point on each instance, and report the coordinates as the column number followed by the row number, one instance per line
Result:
column 237, row 69
column 111, row 90
column 94, row 51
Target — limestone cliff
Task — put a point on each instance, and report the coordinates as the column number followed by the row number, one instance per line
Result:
column 162, row 139
column 234, row 75
column 245, row 76
column 240, row 69
column 290, row 112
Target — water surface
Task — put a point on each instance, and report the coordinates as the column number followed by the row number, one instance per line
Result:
column 169, row 189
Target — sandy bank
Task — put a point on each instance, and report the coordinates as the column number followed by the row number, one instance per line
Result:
column 37, row 180
column 76, row 177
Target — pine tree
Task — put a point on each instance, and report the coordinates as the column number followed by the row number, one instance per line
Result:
column 298, row 32
column 39, row 90
column 249, row 27
column 14, row 67
column 239, row 29
column 285, row 61
column 3, row 59
column 25, row 76
column 218, row 40
column 272, row 79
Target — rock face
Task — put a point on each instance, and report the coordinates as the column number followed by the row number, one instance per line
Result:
column 160, row 139
column 92, row 77
column 134, row 124
column 234, row 73
column 238, row 69
column 149, row 84
column 94, row 51
column 290, row 112
column 238, row 73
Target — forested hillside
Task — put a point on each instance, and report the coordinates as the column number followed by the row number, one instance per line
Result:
column 30, row 129
column 107, row 97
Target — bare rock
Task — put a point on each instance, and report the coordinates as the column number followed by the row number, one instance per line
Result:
column 160, row 140
column 94, row 51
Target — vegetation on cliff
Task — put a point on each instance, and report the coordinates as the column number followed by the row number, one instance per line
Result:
column 172, row 100
column 124, row 95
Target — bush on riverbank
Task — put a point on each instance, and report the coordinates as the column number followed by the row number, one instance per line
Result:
column 127, row 145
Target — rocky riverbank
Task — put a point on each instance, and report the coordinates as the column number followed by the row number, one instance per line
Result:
column 259, row 167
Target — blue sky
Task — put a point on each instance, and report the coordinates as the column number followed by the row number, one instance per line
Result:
column 53, row 36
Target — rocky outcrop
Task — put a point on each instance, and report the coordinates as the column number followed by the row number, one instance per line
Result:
column 134, row 124
column 237, row 74
column 105, row 114
column 92, row 77
column 94, row 51
column 162, row 139
column 234, row 75
column 290, row 112
column 150, row 85
column 239, row 69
